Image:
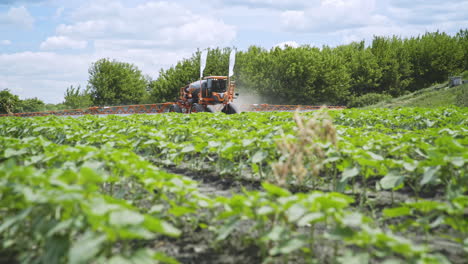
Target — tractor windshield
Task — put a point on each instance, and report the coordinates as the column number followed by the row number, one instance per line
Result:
column 218, row 86
column 197, row 84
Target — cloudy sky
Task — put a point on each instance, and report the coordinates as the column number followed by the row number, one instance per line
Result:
column 48, row 45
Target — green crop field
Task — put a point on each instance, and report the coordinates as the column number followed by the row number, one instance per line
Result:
column 351, row 186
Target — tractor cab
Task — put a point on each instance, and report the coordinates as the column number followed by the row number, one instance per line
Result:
column 217, row 84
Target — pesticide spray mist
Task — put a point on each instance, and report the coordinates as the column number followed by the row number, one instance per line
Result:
column 247, row 97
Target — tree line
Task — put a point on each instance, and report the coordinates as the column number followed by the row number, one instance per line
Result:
column 344, row 75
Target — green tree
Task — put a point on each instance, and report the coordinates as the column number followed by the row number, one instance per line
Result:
column 116, row 83
column 31, row 105
column 434, row 56
column 334, row 80
column 8, row 102
column 76, row 98
column 394, row 62
column 249, row 71
column 55, row 107
column 462, row 38
column 303, row 75
column 217, row 62
column 362, row 66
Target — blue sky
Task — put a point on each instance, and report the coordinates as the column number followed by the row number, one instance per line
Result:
column 48, row 45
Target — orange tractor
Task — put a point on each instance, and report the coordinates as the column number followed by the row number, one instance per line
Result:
column 210, row 91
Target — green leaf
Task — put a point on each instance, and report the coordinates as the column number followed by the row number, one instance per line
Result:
column 350, row 258
column 342, row 233
column 310, row 217
column 143, row 256
column 163, row 258
column 275, row 233
column 275, row 190
column 13, row 152
column 353, row 220
column 264, row 210
column 465, row 245
column 160, row 226
column 331, row 159
column 375, row 156
column 150, row 142
column 259, row 156
column 169, row 229
column 214, row 144
column 396, row 212
column 156, row 208
column 295, row 212
column 34, row 159
column 61, row 227
column 125, row 217
column 246, row 142
column 189, row 148
column 439, row 220
column 118, row 260
column 291, row 245
column 85, row 248
column 88, row 175
column 410, row 166
column 13, row 219
column 180, row 210
column 100, row 207
column 457, row 161
column 429, row 174
column 226, row 229
column 393, row 261
column 349, row 173
column 391, row 180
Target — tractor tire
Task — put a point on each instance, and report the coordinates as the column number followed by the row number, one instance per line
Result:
column 175, row 108
column 209, row 110
column 196, row 108
column 230, row 109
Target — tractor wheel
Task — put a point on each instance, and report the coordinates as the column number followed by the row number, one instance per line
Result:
column 230, row 109
column 196, row 108
column 209, row 110
column 175, row 108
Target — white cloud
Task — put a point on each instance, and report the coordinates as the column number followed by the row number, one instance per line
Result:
column 294, row 19
column 429, row 12
column 45, row 75
column 59, row 12
column 332, row 15
column 407, row 19
column 352, row 17
column 5, row 42
column 162, row 23
column 275, row 4
column 18, row 17
column 152, row 35
column 61, row 42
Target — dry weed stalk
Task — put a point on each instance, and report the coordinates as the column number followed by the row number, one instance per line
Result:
column 302, row 157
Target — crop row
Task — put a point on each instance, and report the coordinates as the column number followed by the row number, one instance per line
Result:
column 418, row 149
column 74, row 204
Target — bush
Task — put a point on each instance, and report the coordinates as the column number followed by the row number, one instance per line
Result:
column 461, row 99
column 31, row 105
column 368, row 99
